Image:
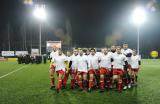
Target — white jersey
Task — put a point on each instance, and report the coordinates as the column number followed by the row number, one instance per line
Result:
column 74, row 60
column 60, row 62
column 99, row 54
column 135, row 61
column 94, row 61
column 68, row 58
column 118, row 61
column 125, row 52
column 53, row 55
column 83, row 63
column 105, row 61
column 111, row 54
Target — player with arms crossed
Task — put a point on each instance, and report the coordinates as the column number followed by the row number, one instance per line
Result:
column 83, row 65
column 105, row 69
column 135, row 66
column 94, row 67
column 60, row 61
column 73, row 67
column 128, row 53
column 118, row 67
column 53, row 54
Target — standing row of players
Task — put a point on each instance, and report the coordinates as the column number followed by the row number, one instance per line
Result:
column 114, row 68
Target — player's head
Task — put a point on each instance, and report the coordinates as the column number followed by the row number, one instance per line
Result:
column 105, row 51
column 87, row 52
column 68, row 53
column 60, row 52
column 55, row 48
column 80, row 52
column 125, row 46
column 75, row 52
column 134, row 52
column 113, row 48
column 92, row 51
column 118, row 49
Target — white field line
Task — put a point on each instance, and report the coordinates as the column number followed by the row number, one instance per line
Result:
column 12, row 72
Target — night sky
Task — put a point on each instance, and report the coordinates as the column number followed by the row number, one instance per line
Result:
column 91, row 21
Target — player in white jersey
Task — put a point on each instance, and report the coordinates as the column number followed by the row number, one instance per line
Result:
column 73, row 67
column 83, row 65
column 94, row 67
column 135, row 66
column 128, row 53
column 53, row 54
column 68, row 55
column 118, row 67
column 60, row 67
column 105, row 69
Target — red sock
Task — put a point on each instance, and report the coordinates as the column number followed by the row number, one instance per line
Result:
column 59, row 84
column 65, row 79
column 72, row 82
column 102, row 83
column 125, row 81
column 52, row 81
column 90, row 83
column 80, row 84
column 120, row 86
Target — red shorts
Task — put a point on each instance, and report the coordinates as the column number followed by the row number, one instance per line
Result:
column 60, row 72
column 73, row 71
column 118, row 72
column 94, row 71
column 135, row 70
column 105, row 71
column 81, row 73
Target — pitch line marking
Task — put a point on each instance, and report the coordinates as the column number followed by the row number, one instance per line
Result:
column 12, row 72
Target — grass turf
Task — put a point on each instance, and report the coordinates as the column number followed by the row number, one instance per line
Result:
column 30, row 85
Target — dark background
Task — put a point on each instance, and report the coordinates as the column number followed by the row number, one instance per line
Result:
column 91, row 22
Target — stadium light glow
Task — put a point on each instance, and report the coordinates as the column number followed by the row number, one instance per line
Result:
column 139, row 16
column 40, row 12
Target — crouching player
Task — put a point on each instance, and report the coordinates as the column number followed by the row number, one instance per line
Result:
column 135, row 66
column 105, row 69
column 94, row 68
column 118, row 61
column 60, row 61
column 53, row 54
column 82, row 70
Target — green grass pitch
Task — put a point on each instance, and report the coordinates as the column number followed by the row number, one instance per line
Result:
column 30, row 85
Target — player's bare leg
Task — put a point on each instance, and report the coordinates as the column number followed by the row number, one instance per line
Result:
column 129, row 78
column 101, row 82
column 91, row 77
column 85, row 81
column 119, row 83
column 60, row 76
column 108, row 79
column 80, row 81
column 52, row 78
column 73, row 79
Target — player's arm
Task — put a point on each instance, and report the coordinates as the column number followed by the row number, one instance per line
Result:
column 126, row 63
column 70, row 64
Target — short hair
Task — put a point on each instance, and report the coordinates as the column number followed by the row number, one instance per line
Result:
column 118, row 47
column 125, row 43
column 93, row 49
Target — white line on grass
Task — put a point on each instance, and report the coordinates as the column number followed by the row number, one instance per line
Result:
column 12, row 72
